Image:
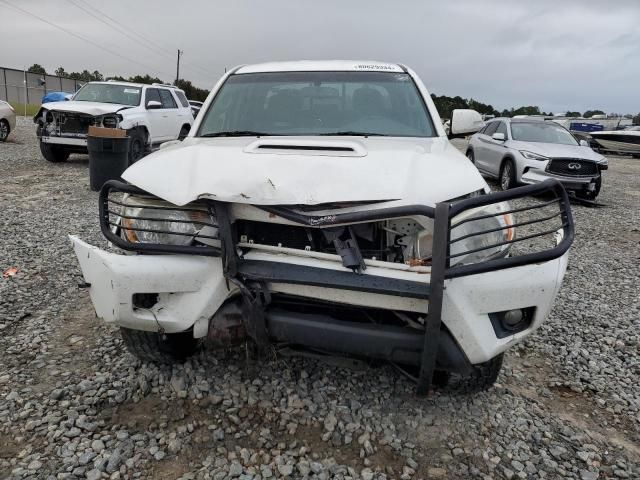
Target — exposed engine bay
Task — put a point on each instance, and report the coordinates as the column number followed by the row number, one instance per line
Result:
column 389, row 241
column 70, row 124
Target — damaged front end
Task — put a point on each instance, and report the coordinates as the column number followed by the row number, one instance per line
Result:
column 70, row 128
column 415, row 285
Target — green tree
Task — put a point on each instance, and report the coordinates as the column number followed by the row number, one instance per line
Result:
column 86, row 76
column 572, row 114
column 530, row 110
column 191, row 91
column 60, row 72
column 636, row 119
column 37, row 68
column 145, row 79
column 591, row 113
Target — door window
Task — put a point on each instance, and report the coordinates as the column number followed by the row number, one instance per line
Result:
column 182, row 98
column 502, row 128
column 491, row 128
column 167, row 99
column 151, row 94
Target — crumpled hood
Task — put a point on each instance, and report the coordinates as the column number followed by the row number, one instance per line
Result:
column 555, row 150
column 243, row 170
column 90, row 108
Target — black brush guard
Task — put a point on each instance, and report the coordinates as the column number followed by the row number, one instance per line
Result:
column 239, row 270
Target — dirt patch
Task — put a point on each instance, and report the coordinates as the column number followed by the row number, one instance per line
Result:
column 575, row 408
column 146, row 414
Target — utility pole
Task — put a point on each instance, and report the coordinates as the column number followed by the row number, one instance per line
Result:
column 180, row 52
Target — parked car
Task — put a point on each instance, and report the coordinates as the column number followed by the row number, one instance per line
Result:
column 195, row 107
column 7, row 120
column 528, row 151
column 151, row 114
column 320, row 206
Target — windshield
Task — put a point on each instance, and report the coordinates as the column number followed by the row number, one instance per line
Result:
column 318, row 103
column 106, row 93
column 541, row 132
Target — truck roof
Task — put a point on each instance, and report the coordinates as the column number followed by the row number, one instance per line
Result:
column 321, row 66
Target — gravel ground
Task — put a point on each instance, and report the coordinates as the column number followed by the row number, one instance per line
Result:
column 75, row 404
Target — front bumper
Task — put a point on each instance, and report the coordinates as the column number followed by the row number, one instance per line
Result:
column 532, row 176
column 192, row 288
column 70, row 141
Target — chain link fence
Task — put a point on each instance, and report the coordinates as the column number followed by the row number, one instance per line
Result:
column 22, row 87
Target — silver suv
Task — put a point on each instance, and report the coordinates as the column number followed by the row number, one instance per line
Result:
column 517, row 151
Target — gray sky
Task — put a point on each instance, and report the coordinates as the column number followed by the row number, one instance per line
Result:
column 557, row 54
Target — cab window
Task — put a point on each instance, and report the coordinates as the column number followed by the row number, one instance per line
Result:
column 491, row 128
column 167, row 99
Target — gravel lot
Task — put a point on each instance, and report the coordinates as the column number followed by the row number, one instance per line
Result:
column 75, row 404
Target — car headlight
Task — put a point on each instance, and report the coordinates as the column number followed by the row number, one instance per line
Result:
column 476, row 235
column 532, row 156
column 481, row 234
column 153, row 221
column 110, row 121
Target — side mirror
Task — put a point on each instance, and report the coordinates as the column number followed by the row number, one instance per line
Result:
column 153, row 105
column 584, row 143
column 499, row 136
column 464, row 122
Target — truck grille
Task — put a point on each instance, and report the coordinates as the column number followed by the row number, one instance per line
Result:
column 70, row 123
column 572, row 167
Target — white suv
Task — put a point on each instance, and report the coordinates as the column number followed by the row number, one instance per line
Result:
column 151, row 114
column 320, row 206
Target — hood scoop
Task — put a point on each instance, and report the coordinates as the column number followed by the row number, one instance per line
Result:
column 294, row 146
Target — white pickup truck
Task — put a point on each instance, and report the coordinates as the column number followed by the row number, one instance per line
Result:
column 151, row 114
column 320, row 206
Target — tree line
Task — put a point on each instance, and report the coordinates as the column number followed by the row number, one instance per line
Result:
column 446, row 105
column 191, row 91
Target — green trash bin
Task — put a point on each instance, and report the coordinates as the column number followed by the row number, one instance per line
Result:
column 108, row 159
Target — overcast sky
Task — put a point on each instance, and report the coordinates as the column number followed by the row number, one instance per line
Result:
column 557, row 54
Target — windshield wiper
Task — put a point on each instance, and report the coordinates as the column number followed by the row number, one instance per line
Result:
column 237, row 133
column 349, row 133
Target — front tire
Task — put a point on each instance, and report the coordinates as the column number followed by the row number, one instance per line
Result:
column 507, row 175
column 4, row 130
column 590, row 194
column 160, row 347
column 184, row 131
column 482, row 377
column 471, row 157
column 53, row 153
column 138, row 145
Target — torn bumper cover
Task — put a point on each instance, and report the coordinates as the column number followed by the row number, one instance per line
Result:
column 459, row 303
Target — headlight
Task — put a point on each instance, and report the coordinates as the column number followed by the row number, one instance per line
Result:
column 476, row 235
column 110, row 122
column 147, row 220
column 481, row 234
column 532, row 156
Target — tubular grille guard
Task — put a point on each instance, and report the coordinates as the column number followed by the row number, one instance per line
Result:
column 441, row 267
column 111, row 211
column 536, row 221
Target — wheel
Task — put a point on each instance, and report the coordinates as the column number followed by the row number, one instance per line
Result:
column 4, row 130
column 471, row 157
column 158, row 347
column 137, row 146
column 590, row 194
column 507, row 175
column 53, row 153
column 482, row 377
column 184, row 131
